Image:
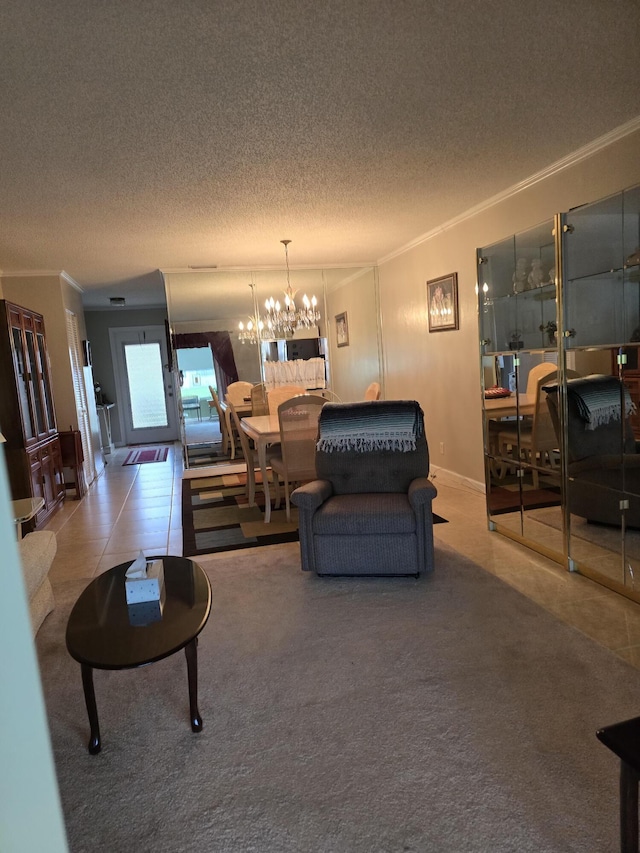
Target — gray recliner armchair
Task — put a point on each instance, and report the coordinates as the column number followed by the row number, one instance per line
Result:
column 370, row 510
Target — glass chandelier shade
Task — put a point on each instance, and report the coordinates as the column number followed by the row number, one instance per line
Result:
column 283, row 320
column 254, row 331
column 280, row 320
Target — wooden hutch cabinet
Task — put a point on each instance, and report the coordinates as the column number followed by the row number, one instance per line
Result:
column 27, row 417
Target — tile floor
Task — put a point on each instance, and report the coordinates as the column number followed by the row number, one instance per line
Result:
column 139, row 507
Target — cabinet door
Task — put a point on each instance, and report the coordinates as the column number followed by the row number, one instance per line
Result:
column 22, row 376
column 44, row 377
column 37, row 478
column 52, row 473
column 57, row 471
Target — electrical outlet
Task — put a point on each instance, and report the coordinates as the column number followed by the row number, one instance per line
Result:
column 442, row 447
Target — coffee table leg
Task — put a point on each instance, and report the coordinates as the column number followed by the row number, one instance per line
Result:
column 191, row 653
column 628, row 808
column 92, row 709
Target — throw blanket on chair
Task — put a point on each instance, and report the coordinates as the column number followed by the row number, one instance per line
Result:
column 370, row 426
column 598, row 399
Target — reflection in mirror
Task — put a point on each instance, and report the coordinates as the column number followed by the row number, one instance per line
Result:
column 206, row 310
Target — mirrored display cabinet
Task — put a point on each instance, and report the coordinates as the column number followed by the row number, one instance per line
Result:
column 559, row 324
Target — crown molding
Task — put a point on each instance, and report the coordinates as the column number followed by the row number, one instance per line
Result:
column 265, row 267
column 70, row 280
column 42, row 274
column 30, row 273
column 567, row 162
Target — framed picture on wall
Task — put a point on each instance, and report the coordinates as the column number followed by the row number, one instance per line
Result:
column 342, row 330
column 442, row 303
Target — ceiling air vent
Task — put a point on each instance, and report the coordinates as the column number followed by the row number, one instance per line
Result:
column 117, row 301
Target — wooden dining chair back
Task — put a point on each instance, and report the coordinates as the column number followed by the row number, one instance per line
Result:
column 250, row 458
column 298, row 419
column 372, row 392
column 259, row 402
column 537, row 372
column 282, row 393
column 238, row 393
column 226, row 442
column 535, row 439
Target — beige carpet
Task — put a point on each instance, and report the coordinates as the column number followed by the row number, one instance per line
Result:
column 448, row 714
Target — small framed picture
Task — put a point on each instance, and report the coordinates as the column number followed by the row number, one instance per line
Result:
column 342, row 330
column 442, row 303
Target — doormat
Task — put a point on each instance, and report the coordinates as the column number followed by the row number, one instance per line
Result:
column 146, row 454
column 216, row 516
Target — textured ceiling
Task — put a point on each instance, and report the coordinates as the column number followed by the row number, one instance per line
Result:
column 137, row 136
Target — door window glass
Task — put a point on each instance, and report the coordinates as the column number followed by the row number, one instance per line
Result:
column 146, row 385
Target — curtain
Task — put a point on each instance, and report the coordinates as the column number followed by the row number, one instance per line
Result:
column 223, row 361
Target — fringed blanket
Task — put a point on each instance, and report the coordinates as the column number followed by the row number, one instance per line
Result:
column 370, row 426
column 597, row 399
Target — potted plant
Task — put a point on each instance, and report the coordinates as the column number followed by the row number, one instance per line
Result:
column 515, row 342
column 551, row 330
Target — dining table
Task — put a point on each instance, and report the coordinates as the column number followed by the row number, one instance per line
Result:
column 242, row 409
column 508, row 407
column 497, row 408
column 264, row 430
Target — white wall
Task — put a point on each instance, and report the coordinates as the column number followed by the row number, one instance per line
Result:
column 355, row 366
column 30, row 813
column 442, row 370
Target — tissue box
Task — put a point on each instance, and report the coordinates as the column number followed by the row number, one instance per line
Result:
column 146, row 612
column 149, row 588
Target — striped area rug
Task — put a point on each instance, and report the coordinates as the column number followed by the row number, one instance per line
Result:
column 216, row 516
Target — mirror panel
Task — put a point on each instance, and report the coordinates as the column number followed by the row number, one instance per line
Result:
column 219, row 300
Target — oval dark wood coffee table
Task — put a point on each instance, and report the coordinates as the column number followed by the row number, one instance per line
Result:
column 100, row 633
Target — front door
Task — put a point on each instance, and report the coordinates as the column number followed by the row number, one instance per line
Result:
column 147, row 407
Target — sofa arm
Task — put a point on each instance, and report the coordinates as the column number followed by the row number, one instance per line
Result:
column 308, row 498
column 421, row 492
column 312, row 495
column 37, row 551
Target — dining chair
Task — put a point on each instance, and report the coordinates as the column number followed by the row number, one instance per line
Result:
column 534, row 439
column 282, row 393
column 296, row 463
column 330, row 396
column 251, row 460
column 372, row 392
column 226, row 441
column 238, row 392
column 259, row 402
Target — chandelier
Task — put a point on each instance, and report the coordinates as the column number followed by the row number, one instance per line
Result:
column 281, row 321
column 254, row 330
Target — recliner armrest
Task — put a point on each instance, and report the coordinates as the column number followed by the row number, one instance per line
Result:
column 312, row 495
column 421, row 492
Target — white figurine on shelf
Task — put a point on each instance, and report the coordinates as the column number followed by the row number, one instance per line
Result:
column 536, row 275
column 552, row 276
column 520, row 276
